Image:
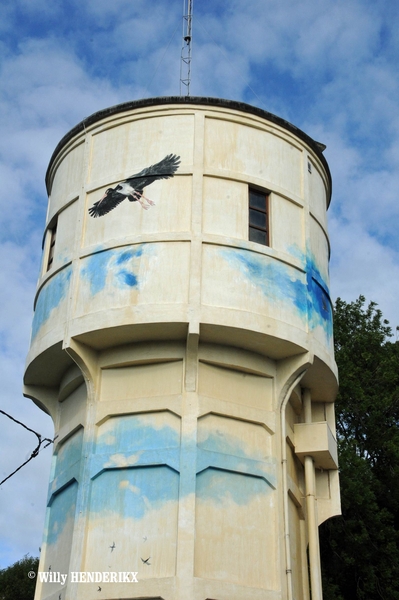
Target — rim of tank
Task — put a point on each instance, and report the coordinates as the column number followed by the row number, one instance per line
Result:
column 317, row 147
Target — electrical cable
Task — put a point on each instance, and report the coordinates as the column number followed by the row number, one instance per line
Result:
column 35, row 452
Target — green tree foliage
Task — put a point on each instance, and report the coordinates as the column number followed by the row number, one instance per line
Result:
column 360, row 549
column 14, row 581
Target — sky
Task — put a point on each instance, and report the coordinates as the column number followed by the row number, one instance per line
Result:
column 330, row 67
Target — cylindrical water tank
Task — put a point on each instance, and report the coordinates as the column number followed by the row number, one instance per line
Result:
column 176, row 325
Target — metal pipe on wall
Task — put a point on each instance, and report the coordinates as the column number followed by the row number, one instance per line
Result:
column 313, row 532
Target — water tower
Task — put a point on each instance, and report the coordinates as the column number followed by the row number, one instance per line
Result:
column 182, row 343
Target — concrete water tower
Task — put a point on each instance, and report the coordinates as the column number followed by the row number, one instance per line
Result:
column 185, row 354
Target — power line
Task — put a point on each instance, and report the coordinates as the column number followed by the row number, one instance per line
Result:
column 35, row 452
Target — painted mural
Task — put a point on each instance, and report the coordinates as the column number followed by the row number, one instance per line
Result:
column 132, row 188
column 61, row 514
column 135, row 489
column 276, row 281
column 133, row 521
column 236, row 529
column 50, row 297
column 318, row 292
column 120, row 264
column 67, row 463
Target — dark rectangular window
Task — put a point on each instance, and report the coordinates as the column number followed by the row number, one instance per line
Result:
column 53, row 234
column 258, row 217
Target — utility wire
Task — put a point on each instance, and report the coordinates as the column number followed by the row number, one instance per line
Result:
column 35, row 452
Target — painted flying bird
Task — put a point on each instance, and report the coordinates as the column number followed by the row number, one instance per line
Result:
column 146, row 561
column 113, row 546
column 132, row 188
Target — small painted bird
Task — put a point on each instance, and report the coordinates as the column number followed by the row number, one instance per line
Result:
column 132, row 188
column 113, row 546
column 146, row 561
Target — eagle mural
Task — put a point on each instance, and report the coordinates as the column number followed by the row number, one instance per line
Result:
column 132, row 187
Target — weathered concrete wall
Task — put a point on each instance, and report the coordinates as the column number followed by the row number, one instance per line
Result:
column 171, row 350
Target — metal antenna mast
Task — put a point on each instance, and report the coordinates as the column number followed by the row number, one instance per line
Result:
column 185, row 62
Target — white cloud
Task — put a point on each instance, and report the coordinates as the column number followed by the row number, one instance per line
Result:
column 362, row 265
column 47, row 91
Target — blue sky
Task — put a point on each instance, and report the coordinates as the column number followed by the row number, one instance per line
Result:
column 328, row 66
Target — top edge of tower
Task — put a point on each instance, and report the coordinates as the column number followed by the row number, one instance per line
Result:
column 317, row 147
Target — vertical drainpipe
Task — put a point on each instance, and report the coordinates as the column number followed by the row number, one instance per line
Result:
column 313, row 531
column 288, row 568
